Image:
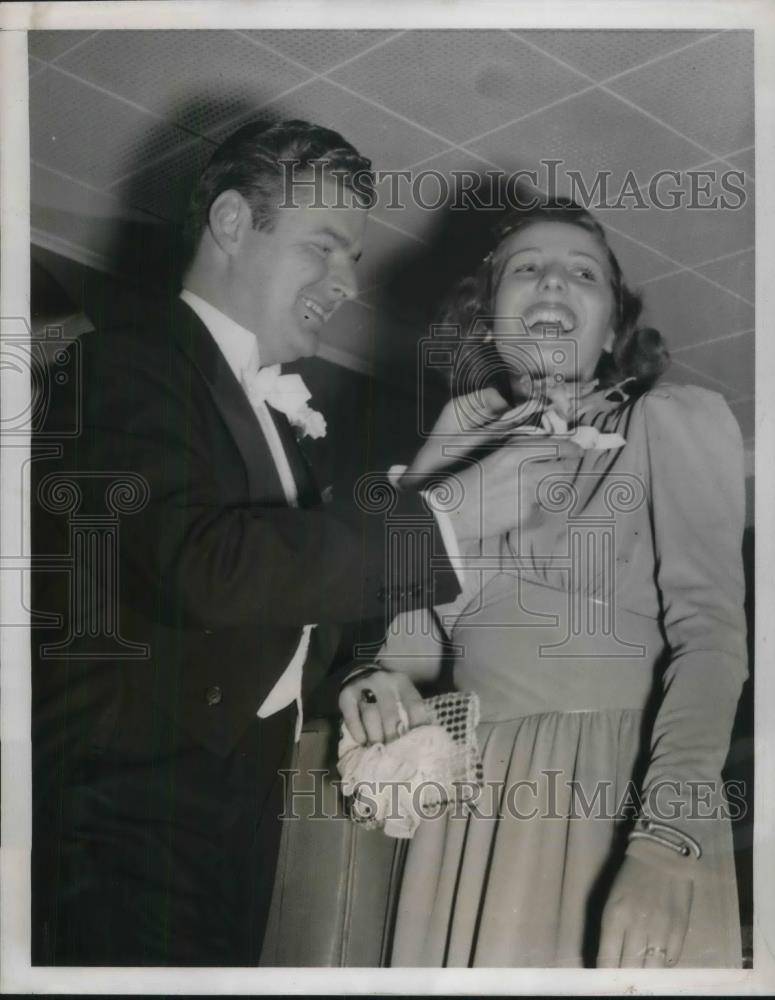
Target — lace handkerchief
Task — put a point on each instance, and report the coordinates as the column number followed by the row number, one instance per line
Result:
column 394, row 785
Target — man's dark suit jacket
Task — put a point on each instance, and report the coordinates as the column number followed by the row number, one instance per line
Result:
column 215, row 577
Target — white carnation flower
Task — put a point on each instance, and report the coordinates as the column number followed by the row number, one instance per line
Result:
column 310, row 422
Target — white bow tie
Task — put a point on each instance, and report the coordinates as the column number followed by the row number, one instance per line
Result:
column 286, row 393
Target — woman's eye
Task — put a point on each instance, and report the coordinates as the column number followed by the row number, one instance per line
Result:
column 519, row 268
column 322, row 248
column 587, row 273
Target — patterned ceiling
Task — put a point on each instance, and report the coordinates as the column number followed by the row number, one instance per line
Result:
column 121, row 121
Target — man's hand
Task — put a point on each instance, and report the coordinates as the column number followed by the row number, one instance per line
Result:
column 463, row 423
column 500, row 491
column 369, row 705
column 645, row 919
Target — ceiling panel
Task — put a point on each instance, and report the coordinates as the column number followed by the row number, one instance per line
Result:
column 35, row 66
column 459, row 83
column 50, row 45
column 590, row 133
column 638, row 263
column 745, row 160
column 387, row 140
column 602, row 54
column 692, row 235
column 736, row 273
column 731, row 361
column 164, row 189
column 416, row 214
column 196, row 79
column 89, row 135
column 689, row 311
column 687, row 375
column 706, row 93
column 321, row 50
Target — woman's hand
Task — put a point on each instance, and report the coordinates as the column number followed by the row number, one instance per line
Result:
column 370, row 706
column 645, row 919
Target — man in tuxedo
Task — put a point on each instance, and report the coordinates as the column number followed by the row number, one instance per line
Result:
column 200, row 579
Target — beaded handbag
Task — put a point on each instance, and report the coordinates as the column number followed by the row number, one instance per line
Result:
column 392, row 786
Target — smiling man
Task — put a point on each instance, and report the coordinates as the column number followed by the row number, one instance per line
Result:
column 157, row 739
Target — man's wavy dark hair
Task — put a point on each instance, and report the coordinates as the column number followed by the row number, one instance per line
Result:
column 639, row 353
column 251, row 161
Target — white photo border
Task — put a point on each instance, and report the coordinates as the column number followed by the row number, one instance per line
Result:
column 16, row 974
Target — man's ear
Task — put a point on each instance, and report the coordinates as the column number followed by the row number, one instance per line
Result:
column 229, row 217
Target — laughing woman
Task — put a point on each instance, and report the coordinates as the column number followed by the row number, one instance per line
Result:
column 606, row 647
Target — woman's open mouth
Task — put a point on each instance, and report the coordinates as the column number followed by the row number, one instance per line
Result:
column 550, row 316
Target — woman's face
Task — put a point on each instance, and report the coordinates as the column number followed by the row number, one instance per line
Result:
column 554, row 304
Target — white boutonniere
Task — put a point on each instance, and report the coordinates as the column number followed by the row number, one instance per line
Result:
column 309, row 422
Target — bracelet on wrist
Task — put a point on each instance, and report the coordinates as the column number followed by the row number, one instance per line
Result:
column 667, row 836
column 361, row 672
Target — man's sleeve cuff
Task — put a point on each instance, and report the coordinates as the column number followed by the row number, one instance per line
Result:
column 394, row 475
column 443, row 523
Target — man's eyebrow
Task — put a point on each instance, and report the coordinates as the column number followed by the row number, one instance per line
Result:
column 343, row 242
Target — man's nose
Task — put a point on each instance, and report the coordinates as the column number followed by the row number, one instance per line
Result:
column 342, row 280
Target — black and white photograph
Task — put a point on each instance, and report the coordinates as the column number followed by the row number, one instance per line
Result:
column 381, row 449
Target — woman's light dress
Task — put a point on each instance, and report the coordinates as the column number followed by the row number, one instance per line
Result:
column 606, row 642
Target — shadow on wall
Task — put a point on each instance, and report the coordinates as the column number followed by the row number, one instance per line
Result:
column 147, row 260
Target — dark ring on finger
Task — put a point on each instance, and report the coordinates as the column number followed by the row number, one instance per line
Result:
column 368, row 697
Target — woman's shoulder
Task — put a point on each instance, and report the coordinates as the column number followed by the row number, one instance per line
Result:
column 672, row 410
column 673, row 398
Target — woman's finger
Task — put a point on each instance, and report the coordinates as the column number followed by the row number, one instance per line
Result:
column 390, row 718
column 676, row 936
column 634, row 947
column 656, row 955
column 609, row 952
column 371, row 717
column 348, row 706
column 660, row 924
column 412, row 701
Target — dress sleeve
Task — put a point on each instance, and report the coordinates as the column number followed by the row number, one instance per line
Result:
column 696, row 488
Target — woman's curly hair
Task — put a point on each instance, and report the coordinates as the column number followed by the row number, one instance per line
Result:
column 639, row 353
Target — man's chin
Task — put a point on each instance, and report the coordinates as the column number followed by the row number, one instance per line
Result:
column 307, row 344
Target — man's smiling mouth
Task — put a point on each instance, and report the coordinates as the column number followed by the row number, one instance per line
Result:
column 314, row 310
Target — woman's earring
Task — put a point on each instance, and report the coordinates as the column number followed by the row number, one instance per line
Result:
column 488, row 337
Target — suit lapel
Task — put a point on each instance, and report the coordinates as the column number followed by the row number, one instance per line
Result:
column 231, row 403
column 306, row 487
